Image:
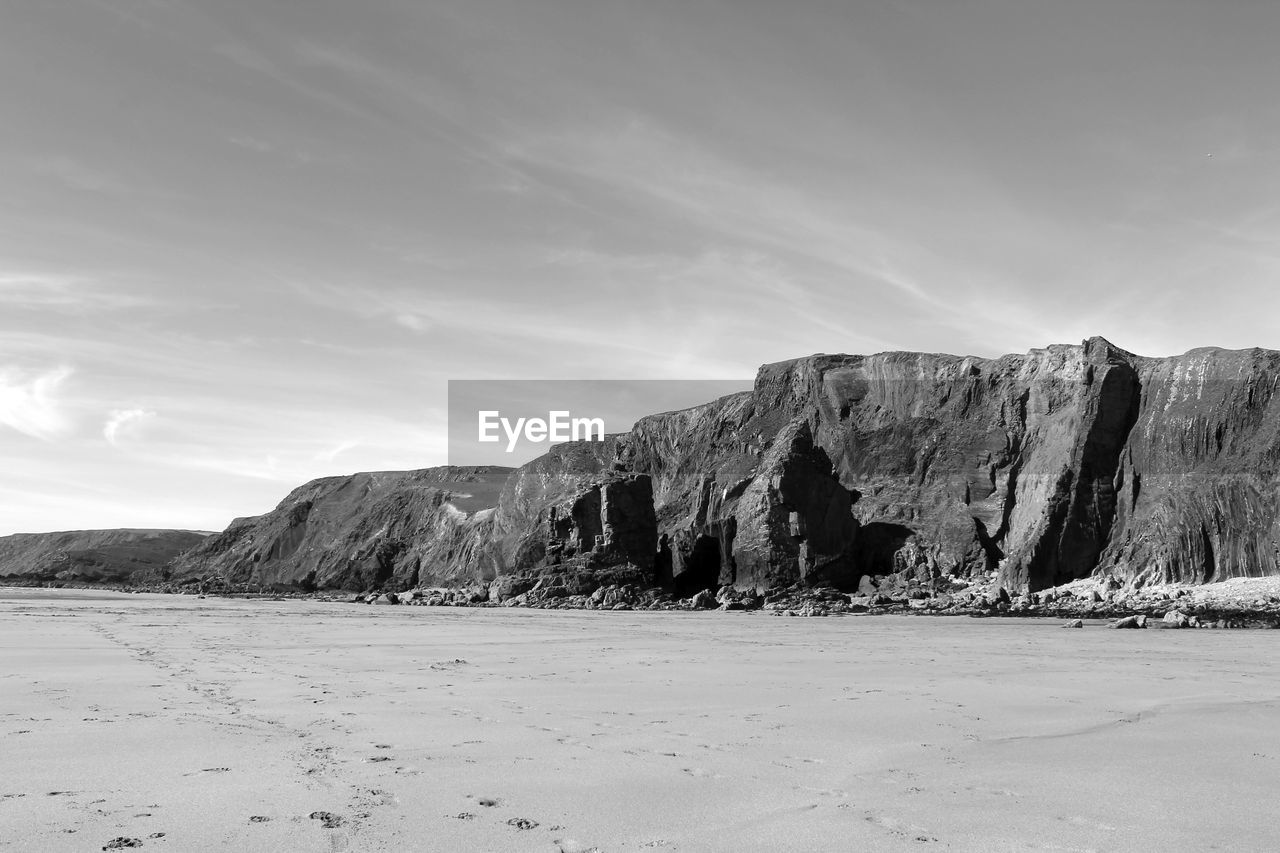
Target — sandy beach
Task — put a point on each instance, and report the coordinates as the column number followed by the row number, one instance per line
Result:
column 207, row 724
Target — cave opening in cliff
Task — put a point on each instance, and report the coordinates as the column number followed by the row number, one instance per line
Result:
column 702, row 567
column 876, row 545
column 1209, row 565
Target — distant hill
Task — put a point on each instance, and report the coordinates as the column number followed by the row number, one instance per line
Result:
column 93, row 556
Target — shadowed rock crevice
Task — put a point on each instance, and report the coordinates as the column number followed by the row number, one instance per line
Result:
column 701, row 566
column 878, row 543
column 1082, row 506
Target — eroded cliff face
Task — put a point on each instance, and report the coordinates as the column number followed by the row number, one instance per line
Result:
column 1043, row 467
column 1048, row 466
column 743, row 503
column 389, row 529
column 1197, row 485
column 838, row 466
column 593, row 526
column 94, row 556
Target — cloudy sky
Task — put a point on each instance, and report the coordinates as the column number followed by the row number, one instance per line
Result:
column 244, row 243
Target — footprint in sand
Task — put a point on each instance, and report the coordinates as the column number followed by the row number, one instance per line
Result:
column 837, row 793
column 898, row 828
column 328, row 820
column 702, row 773
column 1078, row 820
column 995, row 792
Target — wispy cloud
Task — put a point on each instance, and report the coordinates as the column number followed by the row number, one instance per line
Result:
column 76, row 175
column 763, row 287
column 636, row 159
column 249, row 58
column 31, row 404
column 413, row 322
column 518, row 336
column 252, row 143
column 429, row 106
column 18, row 283
column 334, row 452
column 68, row 291
column 265, row 467
column 677, row 329
column 124, row 422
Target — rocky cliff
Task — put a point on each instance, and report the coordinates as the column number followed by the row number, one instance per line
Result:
column 394, row 529
column 906, row 469
column 1044, row 467
column 1197, row 482
column 93, row 556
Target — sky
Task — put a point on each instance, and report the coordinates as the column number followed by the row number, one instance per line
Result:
column 245, row 243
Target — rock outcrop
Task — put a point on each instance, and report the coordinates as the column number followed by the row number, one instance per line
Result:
column 760, row 516
column 601, row 534
column 611, row 518
column 94, row 556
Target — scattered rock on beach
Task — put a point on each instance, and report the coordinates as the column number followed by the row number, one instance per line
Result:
column 1176, row 619
column 1131, row 622
column 121, row 843
column 1078, row 623
column 522, row 823
column 705, row 600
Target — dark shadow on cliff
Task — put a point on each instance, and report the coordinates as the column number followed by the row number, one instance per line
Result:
column 876, row 544
column 701, row 567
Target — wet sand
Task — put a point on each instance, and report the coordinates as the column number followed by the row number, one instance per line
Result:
column 226, row 724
